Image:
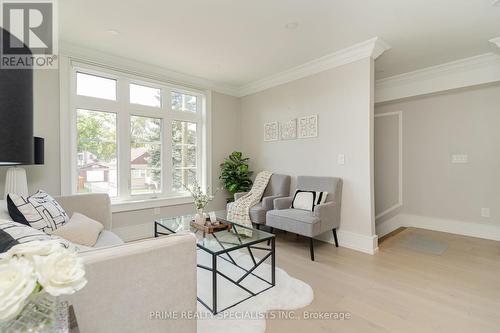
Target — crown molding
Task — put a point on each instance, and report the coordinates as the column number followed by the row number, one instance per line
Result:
column 95, row 57
column 481, row 69
column 495, row 41
column 371, row 48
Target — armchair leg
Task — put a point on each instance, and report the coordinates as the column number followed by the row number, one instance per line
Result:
column 335, row 237
column 311, row 247
column 257, row 226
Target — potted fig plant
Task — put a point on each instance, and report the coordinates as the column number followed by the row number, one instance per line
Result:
column 235, row 174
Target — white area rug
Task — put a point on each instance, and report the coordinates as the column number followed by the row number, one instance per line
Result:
column 248, row 316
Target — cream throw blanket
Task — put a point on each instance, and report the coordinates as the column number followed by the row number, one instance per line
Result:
column 239, row 211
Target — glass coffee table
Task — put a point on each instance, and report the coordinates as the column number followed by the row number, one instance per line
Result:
column 220, row 245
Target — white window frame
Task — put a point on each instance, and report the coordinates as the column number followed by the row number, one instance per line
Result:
column 122, row 107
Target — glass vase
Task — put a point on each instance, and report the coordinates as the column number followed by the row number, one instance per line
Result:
column 200, row 217
column 39, row 315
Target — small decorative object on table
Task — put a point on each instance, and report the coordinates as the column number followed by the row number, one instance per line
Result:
column 200, row 201
column 213, row 218
column 32, row 276
column 210, row 228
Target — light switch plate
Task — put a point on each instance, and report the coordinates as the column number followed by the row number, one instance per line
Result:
column 341, row 159
column 485, row 212
column 459, row 159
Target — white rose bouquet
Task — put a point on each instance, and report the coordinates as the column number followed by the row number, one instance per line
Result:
column 34, row 267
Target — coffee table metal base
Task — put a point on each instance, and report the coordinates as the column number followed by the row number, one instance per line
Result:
column 248, row 271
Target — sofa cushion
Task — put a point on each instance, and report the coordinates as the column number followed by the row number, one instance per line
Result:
column 80, row 230
column 39, row 211
column 298, row 221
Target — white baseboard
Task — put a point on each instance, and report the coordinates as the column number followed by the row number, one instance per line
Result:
column 353, row 241
column 350, row 240
column 388, row 226
column 135, row 232
column 438, row 224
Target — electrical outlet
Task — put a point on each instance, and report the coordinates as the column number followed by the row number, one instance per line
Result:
column 485, row 212
column 156, row 211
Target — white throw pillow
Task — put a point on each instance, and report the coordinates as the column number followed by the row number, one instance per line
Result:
column 80, row 230
column 307, row 200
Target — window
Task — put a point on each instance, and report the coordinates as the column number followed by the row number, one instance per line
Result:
column 145, row 155
column 135, row 138
column 184, row 153
column 95, row 86
column 184, row 102
column 96, row 152
column 145, row 95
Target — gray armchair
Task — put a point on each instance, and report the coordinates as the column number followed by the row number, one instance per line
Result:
column 278, row 187
column 325, row 217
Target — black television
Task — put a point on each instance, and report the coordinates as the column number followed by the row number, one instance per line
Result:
column 16, row 112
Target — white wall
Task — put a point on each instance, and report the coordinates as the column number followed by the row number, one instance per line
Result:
column 387, row 163
column 226, row 137
column 342, row 98
column 435, row 127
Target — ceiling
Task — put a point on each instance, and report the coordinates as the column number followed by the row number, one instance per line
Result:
column 235, row 42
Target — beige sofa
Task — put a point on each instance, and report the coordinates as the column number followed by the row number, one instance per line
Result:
column 139, row 287
column 133, row 287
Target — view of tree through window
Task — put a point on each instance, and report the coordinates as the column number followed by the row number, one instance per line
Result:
column 184, row 154
column 96, row 149
column 183, row 102
column 145, row 155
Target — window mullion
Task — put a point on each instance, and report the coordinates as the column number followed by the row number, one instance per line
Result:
column 201, row 138
column 123, row 140
column 167, row 156
column 167, row 144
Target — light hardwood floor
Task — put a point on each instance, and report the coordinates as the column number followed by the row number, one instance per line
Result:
column 397, row 290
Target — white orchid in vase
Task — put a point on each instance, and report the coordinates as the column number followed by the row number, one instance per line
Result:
column 33, row 268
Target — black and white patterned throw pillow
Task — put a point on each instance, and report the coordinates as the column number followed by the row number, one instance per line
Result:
column 13, row 233
column 307, row 200
column 39, row 211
